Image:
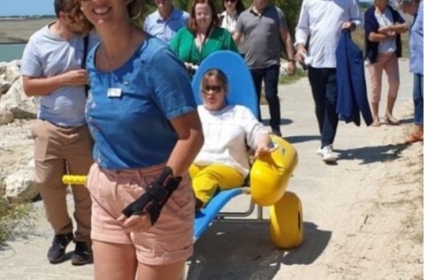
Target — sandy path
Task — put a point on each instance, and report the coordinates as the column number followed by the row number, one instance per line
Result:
column 362, row 217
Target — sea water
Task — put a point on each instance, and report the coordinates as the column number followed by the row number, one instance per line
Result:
column 9, row 52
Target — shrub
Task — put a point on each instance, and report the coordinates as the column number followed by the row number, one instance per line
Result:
column 13, row 214
column 290, row 9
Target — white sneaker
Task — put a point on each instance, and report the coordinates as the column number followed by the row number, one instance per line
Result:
column 328, row 155
column 319, row 151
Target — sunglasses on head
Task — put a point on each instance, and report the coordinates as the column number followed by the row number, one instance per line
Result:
column 214, row 88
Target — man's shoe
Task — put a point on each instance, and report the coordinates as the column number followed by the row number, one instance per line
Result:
column 82, row 254
column 328, row 155
column 276, row 131
column 320, row 150
column 56, row 252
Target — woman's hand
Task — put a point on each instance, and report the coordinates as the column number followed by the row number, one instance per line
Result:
column 264, row 145
column 189, row 66
column 262, row 150
column 136, row 223
column 387, row 31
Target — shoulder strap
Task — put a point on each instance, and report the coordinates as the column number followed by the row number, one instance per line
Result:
column 85, row 50
column 85, row 54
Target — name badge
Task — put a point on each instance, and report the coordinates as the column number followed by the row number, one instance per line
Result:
column 114, row 92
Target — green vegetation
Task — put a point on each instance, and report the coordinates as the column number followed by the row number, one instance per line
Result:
column 286, row 80
column 12, row 214
column 290, row 8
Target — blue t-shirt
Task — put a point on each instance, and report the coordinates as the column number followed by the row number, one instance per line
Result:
column 131, row 129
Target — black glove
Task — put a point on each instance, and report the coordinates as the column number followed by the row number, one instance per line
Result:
column 155, row 197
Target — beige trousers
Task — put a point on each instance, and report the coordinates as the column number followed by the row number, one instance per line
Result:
column 58, row 151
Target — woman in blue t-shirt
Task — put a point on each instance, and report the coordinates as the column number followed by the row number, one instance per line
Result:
column 142, row 116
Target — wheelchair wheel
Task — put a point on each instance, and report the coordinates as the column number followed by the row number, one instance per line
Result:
column 286, row 222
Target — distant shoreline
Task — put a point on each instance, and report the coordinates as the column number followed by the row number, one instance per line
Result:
column 18, row 30
column 12, row 42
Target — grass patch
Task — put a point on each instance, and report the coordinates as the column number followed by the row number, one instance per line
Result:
column 12, row 215
column 285, row 80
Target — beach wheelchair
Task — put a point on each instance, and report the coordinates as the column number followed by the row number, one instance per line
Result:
column 269, row 176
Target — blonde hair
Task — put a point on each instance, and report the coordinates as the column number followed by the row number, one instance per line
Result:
column 218, row 75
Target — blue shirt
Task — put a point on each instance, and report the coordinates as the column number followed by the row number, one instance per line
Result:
column 47, row 55
column 165, row 29
column 416, row 42
column 131, row 129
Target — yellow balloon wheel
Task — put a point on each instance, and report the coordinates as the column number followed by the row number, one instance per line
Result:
column 286, row 222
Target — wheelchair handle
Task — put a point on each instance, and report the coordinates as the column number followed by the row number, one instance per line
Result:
column 74, row 179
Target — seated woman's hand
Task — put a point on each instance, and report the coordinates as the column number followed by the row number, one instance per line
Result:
column 263, row 149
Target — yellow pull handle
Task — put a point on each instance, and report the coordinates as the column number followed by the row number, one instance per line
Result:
column 74, row 179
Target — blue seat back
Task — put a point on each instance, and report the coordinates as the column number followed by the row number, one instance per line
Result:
column 240, row 84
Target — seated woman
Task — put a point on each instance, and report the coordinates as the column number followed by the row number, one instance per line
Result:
column 223, row 161
column 202, row 36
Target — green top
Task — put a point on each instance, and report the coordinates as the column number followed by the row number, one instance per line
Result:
column 183, row 44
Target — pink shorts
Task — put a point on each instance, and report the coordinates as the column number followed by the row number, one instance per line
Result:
column 170, row 240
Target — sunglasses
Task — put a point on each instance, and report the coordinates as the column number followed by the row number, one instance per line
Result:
column 215, row 88
column 230, row 1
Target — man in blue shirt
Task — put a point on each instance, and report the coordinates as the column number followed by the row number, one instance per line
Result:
column 165, row 21
column 415, row 8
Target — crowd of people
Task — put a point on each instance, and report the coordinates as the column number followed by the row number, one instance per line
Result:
column 99, row 74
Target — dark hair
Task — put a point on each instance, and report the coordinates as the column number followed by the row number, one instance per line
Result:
column 406, row 2
column 192, row 26
column 77, row 20
column 239, row 6
column 60, row 6
column 218, row 75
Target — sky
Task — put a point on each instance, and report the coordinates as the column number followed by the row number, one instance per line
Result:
column 37, row 7
column 26, row 7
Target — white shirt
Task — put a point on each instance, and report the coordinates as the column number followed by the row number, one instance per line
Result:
column 228, row 22
column 225, row 132
column 321, row 20
column 386, row 19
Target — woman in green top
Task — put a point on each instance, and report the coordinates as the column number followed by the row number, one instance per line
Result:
column 202, row 36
